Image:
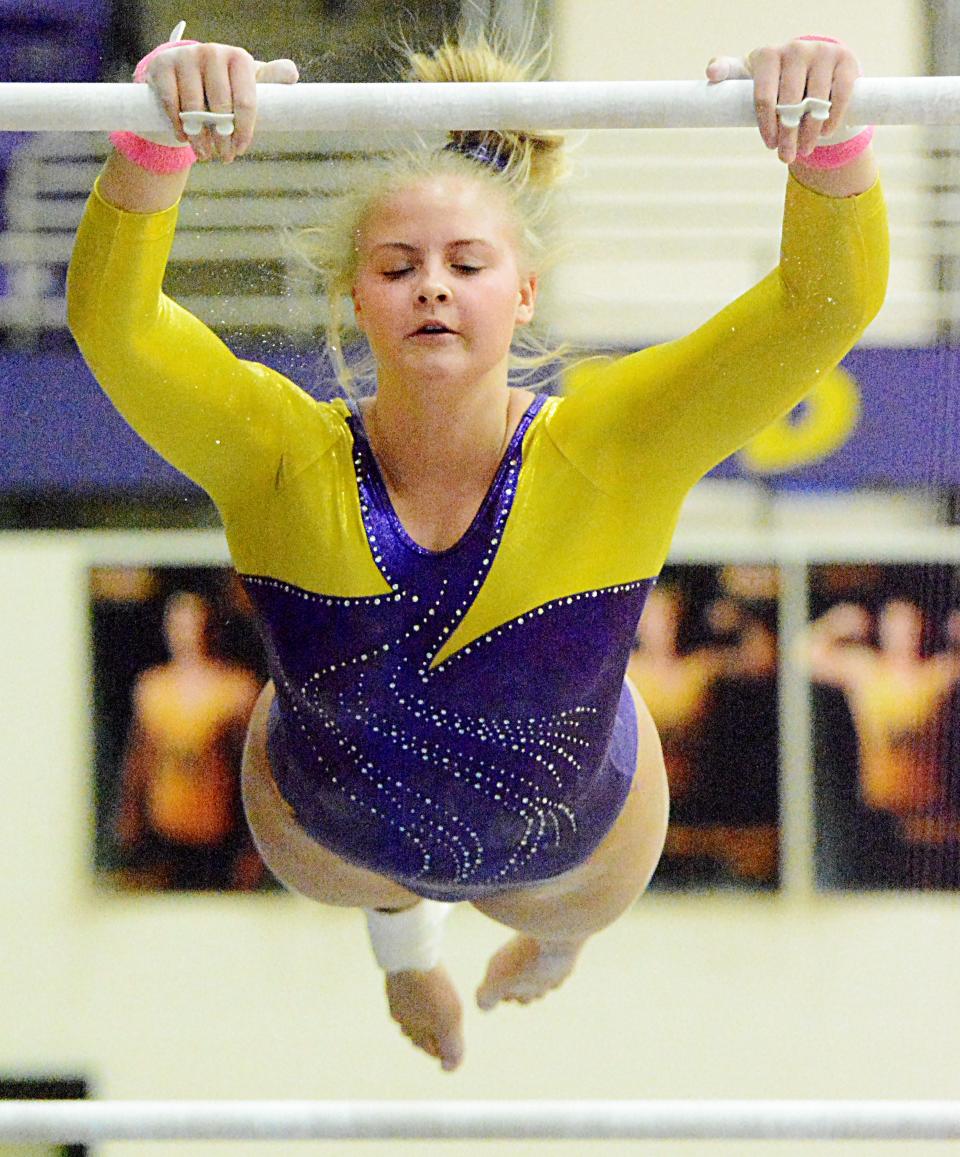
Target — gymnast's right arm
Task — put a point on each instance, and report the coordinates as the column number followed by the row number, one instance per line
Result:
column 210, row 414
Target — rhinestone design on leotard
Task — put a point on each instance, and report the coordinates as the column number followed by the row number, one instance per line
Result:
column 472, row 774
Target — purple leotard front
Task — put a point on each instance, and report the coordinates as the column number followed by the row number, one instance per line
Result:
column 452, row 779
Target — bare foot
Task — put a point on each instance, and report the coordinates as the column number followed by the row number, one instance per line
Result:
column 428, row 1009
column 525, row 969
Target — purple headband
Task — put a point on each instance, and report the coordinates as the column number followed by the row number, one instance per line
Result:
column 482, row 151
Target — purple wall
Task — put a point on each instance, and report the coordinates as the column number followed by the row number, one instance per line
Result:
column 58, row 431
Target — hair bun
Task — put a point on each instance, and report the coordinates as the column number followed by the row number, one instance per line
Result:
column 536, row 156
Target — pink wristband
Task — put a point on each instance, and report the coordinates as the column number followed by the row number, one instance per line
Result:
column 843, row 152
column 149, row 155
column 840, row 154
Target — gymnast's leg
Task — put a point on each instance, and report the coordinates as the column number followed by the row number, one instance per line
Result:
column 554, row 921
column 423, row 1002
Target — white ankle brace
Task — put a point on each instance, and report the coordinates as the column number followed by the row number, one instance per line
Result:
column 408, row 941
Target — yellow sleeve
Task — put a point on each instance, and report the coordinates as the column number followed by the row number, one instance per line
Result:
column 667, row 415
column 218, row 419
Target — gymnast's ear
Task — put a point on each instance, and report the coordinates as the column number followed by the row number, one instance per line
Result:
column 526, row 298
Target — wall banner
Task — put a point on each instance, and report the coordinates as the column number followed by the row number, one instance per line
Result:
column 886, row 417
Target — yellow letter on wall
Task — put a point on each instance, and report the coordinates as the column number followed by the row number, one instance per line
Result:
column 830, row 415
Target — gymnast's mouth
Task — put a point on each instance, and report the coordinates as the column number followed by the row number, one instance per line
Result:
column 432, row 329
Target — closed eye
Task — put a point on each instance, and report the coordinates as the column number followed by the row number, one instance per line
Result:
column 394, row 274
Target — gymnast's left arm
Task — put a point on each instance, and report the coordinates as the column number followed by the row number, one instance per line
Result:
column 670, row 413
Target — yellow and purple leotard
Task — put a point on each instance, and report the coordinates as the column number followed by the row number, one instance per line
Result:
column 458, row 720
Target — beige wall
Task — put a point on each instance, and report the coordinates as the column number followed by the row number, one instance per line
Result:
column 244, row 997
column 792, row 995
column 661, row 229
column 649, row 40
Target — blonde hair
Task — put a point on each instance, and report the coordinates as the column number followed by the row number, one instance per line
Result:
column 523, row 166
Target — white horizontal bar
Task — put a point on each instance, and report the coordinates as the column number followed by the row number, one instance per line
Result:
column 548, row 105
column 66, row 1122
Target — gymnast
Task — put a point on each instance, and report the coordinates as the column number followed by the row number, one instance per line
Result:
column 448, row 573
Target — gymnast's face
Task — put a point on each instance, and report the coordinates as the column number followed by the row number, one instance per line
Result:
column 439, row 287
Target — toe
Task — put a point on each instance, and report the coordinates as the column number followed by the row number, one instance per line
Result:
column 502, row 971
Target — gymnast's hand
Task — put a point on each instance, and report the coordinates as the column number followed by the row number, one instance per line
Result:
column 220, row 78
column 786, row 74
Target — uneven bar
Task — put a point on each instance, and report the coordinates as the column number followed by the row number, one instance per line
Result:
column 926, row 100
column 89, row 1122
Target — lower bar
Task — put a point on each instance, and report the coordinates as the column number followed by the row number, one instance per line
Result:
column 73, row 1122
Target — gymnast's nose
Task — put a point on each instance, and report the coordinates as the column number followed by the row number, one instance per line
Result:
column 433, row 287
column 431, row 293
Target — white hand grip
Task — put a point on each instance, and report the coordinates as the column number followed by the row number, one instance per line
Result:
column 194, row 122
column 792, row 114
